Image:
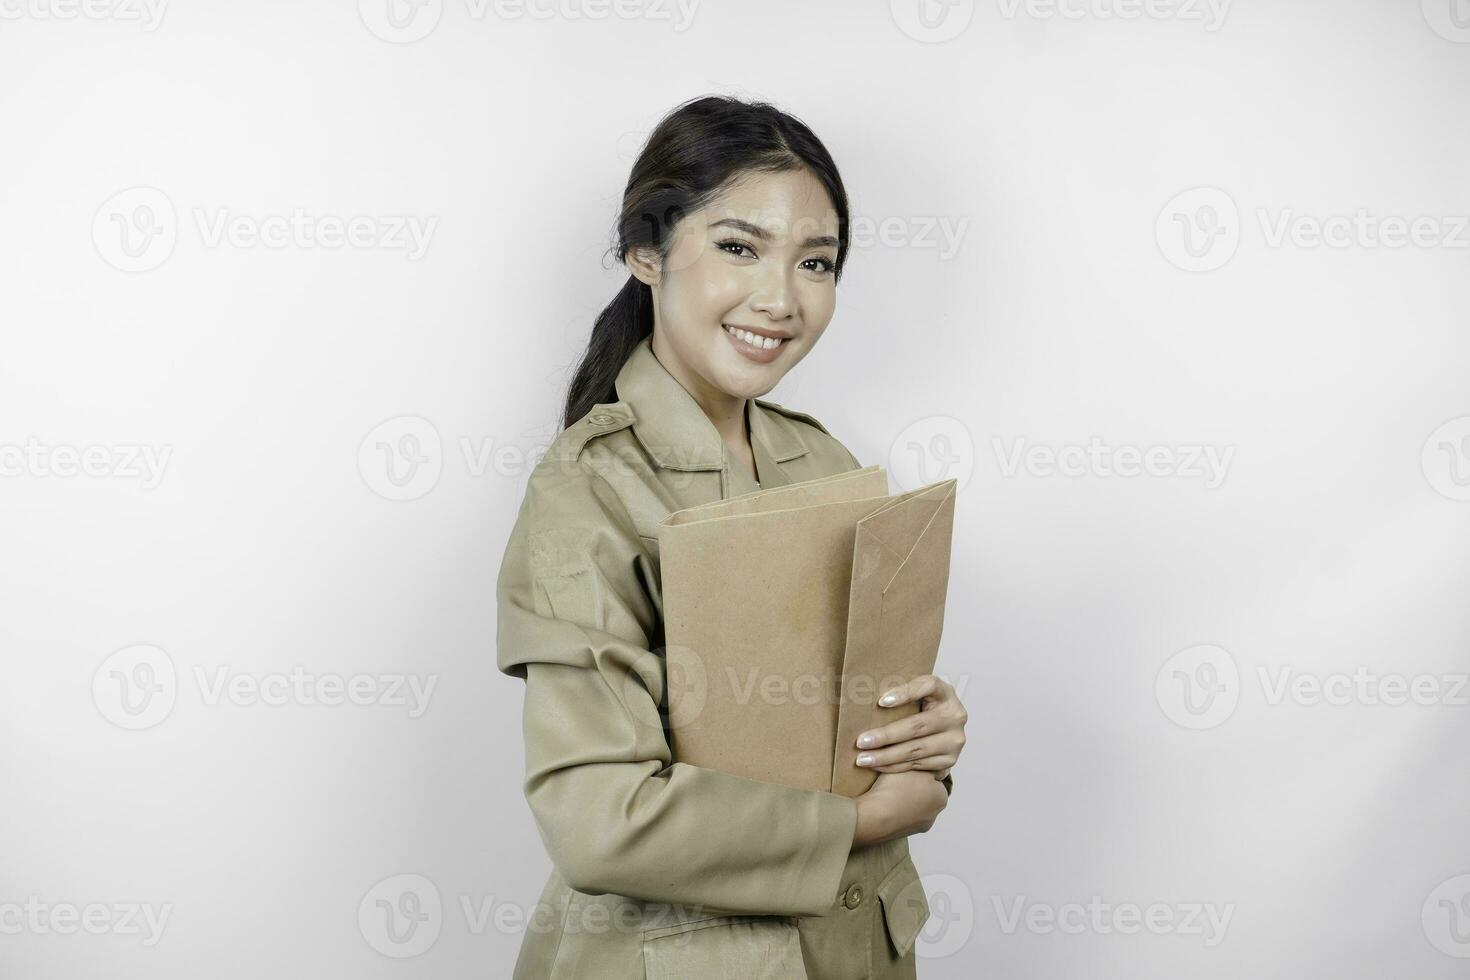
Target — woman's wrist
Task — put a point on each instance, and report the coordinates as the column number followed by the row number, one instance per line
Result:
column 860, row 826
column 871, row 820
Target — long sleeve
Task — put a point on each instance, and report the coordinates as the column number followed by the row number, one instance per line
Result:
column 577, row 607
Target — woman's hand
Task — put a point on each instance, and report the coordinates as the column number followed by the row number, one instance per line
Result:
column 930, row 740
column 898, row 805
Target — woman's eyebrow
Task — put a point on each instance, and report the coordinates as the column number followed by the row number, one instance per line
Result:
column 757, row 231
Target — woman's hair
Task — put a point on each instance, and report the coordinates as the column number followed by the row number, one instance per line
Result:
column 694, row 152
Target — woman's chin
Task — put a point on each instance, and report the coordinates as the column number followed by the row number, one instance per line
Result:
column 748, row 381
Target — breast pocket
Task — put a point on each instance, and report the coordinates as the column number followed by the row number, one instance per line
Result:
column 726, row 947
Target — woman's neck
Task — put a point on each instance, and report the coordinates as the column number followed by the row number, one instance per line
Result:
column 725, row 411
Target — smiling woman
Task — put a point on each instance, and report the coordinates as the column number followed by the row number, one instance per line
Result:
column 740, row 300
column 734, row 230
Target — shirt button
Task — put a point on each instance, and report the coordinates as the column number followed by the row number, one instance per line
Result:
column 854, row 896
column 601, row 418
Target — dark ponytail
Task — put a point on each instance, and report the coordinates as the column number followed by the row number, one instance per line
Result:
column 695, row 151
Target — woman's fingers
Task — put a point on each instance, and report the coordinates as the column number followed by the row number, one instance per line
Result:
column 925, row 686
column 930, row 739
column 903, row 730
column 940, row 710
column 931, row 765
column 931, row 752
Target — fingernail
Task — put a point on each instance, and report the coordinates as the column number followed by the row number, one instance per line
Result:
column 865, row 741
column 865, row 759
column 888, row 698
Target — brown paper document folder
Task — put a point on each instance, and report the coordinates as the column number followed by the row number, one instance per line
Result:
column 900, row 575
column 788, row 611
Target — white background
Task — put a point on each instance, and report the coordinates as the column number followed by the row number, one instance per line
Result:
column 1072, row 310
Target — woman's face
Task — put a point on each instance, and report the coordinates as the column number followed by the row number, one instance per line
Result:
column 758, row 258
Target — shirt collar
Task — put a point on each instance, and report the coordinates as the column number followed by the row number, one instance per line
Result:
column 674, row 430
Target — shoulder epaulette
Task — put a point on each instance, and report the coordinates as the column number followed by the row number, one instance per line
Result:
column 599, row 421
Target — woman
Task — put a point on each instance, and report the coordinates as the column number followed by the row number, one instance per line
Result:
column 734, row 228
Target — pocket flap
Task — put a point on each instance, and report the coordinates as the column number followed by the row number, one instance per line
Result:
column 905, row 906
column 750, row 947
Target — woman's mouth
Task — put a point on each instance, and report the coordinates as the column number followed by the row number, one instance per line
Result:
column 762, row 350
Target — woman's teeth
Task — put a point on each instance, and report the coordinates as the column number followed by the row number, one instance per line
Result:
column 756, row 340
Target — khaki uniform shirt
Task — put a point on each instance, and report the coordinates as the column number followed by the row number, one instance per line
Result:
column 662, row 870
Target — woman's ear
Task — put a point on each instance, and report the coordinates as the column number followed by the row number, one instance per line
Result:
column 644, row 263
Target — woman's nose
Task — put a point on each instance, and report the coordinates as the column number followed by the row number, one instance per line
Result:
column 774, row 295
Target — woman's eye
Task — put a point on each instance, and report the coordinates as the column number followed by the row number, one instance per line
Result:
column 743, row 250
column 727, row 245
